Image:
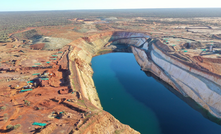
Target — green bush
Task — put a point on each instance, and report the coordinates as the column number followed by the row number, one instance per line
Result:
column 118, row 131
column 17, row 126
column 5, row 118
column 3, row 108
column 27, row 103
column 10, row 127
column 13, row 127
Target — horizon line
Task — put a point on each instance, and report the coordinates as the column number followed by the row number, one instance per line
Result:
column 112, row 9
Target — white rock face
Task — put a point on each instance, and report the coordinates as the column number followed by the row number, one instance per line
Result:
column 202, row 87
column 192, row 85
column 136, row 39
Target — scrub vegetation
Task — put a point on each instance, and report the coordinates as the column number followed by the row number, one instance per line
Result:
column 17, row 21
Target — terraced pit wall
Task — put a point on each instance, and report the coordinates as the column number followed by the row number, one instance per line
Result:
column 203, row 86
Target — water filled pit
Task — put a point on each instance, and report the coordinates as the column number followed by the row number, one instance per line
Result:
column 141, row 101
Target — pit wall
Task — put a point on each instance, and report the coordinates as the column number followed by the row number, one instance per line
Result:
column 83, row 73
column 203, row 87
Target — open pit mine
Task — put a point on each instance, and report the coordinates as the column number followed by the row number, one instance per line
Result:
column 192, row 75
column 60, row 96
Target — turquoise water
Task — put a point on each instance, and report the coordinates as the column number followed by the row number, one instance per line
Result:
column 141, row 102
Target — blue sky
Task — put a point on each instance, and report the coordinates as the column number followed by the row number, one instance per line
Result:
column 33, row 5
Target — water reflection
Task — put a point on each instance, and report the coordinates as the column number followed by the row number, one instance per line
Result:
column 188, row 100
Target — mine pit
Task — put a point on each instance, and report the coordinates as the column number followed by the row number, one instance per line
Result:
column 47, row 86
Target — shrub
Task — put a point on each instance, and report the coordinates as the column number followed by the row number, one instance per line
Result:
column 13, row 127
column 17, row 126
column 27, row 103
column 5, row 118
column 118, row 131
column 3, row 108
column 10, row 127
